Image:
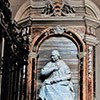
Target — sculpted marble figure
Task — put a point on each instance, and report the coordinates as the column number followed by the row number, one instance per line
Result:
column 58, row 85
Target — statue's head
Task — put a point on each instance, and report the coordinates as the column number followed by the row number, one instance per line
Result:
column 55, row 55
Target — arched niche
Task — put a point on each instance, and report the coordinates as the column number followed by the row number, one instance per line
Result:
column 68, row 51
column 71, row 46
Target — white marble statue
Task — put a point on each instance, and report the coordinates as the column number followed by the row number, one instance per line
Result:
column 58, row 85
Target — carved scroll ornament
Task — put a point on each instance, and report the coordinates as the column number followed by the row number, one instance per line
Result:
column 58, row 8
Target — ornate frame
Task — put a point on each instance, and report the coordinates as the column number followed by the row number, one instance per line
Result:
column 35, row 44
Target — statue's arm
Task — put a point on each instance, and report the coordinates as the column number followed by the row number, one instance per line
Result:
column 63, row 78
column 48, row 69
column 66, row 72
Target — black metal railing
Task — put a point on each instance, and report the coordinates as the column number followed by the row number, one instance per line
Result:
column 16, row 49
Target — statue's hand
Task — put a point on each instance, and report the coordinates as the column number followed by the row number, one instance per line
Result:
column 56, row 68
column 47, row 82
column 53, row 82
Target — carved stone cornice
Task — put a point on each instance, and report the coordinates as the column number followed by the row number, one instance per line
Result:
column 73, row 20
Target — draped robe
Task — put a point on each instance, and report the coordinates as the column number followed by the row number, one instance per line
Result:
column 58, row 85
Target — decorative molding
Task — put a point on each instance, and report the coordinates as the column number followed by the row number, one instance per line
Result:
column 81, row 54
column 74, row 20
column 91, row 21
column 27, row 9
column 90, row 30
column 54, row 30
column 33, row 54
column 58, row 8
column 21, row 10
column 58, row 30
column 93, row 7
column 44, row 8
column 90, row 61
column 80, row 30
column 50, row 31
column 91, row 40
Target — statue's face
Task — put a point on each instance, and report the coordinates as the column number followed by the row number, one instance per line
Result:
column 54, row 58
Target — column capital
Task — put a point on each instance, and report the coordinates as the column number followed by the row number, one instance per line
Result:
column 91, row 40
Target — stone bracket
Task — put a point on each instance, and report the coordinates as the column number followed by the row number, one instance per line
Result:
column 91, row 40
column 33, row 54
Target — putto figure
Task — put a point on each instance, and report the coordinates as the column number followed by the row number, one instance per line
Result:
column 58, row 85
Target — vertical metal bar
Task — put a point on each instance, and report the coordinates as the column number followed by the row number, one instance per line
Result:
column 2, row 51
